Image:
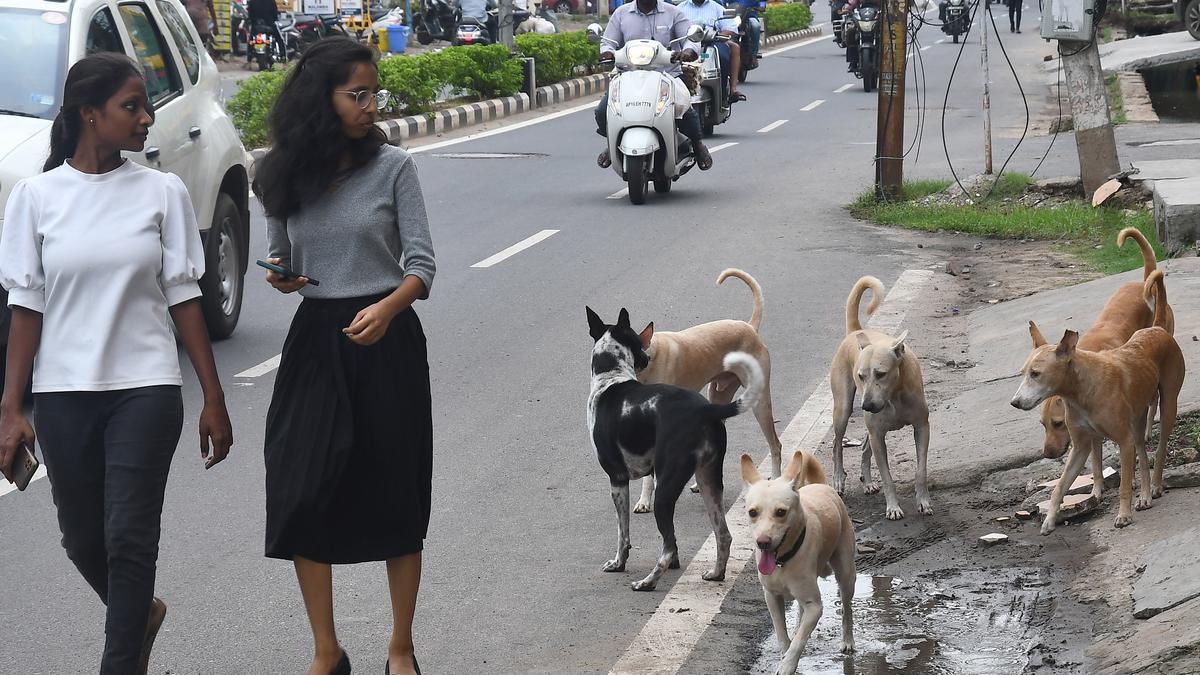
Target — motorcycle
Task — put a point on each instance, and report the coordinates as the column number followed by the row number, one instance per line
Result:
column 838, row 22
column 711, row 100
column 862, row 30
column 955, row 23
column 472, row 31
column 239, row 28
column 644, row 142
column 437, row 20
column 746, row 41
column 266, row 46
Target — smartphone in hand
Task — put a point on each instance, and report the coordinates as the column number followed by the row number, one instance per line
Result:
column 285, row 272
column 24, row 465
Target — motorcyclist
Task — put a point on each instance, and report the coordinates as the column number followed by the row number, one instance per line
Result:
column 835, row 11
column 263, row 16
column 474, row 9
column 753, row 27
column 711, row 14
column 852, row 44
column 652, row 20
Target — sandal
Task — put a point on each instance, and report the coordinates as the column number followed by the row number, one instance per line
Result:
column 737, row 98
column 703, row 157
column 158, row 612
column 603, row 160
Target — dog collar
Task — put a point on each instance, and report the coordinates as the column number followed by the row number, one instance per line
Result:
column 781, row 559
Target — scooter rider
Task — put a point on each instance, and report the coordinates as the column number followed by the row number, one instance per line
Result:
column 474, row 9
column 754, row 28
column 852, row 49
column 711, row 14
column 264, row 13
column 651, row 20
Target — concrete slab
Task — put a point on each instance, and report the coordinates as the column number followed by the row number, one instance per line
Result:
column 1166, row 169
column 1170, row 575
column 1148, row 52
column 1177, row 212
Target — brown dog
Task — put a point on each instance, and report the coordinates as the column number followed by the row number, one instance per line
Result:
column 1107, row 395
column 1128, row 310
column 693, row 358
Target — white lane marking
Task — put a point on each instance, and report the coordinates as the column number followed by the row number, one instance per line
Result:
column 619, row 194
column 623, row 192
column 797, row 45
column 7, row 487
column 262, row 368
column 940, row 41
column 503, row 130
column 670, row 635
column 1181, row 141
column 844, row 87
column 772, row 126
column 723, row 146
column 813, row 105
column 515, row 248
column 926, row 48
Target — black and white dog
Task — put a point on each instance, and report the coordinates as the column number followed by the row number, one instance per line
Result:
column 642, row 429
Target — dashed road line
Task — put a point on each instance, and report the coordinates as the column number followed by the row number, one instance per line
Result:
column 624, row 192
column 772, row 126
column 515, row 249
column 940, row 41
column 926, row 48
column 812, row 106
column 670, row 635
column 262, row 368
column 844, row 87
column 7, row 487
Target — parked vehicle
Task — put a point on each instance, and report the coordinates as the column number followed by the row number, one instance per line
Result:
column 311, row 28
column 437, row 20
column 643, row 139
column 239, row 27
column 1188, row 12
column 192, row 137
column 710, row 101
column 958, row 19
column 472, row 31
column 862, row 45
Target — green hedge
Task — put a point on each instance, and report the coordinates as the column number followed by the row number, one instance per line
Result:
column 557, row 56
column 789, row 17
column 251, row 104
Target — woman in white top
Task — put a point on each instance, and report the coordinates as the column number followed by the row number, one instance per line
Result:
column 98, row 254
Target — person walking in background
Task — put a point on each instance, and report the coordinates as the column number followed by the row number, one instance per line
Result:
column 96, row 252
column 204, row 17
column 1014, row 15
column 349, row 438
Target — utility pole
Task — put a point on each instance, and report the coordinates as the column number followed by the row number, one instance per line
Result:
column 889, row 143
column 505, row 19
column 1089, row 109
column 987, row 92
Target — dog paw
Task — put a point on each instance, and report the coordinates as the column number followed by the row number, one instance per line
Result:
column 839, row 484
column 1123, row 520
column 614, row 566
column 1048, row 526
column 848, row 647
column 714, row 575
column 1156, row 491
column 643, row 585
column 1143, row 503
column 895, row 513
column 925, row 508
column 641, row 507
column 694, row 487
column 674, row 564
column 871, row 488
column 1098, row 495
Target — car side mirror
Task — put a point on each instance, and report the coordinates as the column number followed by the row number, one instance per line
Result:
column 593, row 33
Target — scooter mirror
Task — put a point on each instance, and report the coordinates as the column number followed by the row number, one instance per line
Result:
column 593, row 32
column 729, row 13
column 695, row 33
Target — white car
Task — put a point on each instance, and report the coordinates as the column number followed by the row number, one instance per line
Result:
column 192, row 136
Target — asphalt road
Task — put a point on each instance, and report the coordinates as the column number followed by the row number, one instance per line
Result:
column 522, row 515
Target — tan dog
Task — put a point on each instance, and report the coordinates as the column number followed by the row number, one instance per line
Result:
column 1129, row 309
column 1107, row 395
column 889, row 376
column 693, row 358
column 802, row 530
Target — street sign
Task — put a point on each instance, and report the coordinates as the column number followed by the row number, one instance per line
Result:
column 319, row 7
column 351, row 6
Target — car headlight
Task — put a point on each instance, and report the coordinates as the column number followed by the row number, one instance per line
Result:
column 664, row 97
column 867, row 26
column 641, row 55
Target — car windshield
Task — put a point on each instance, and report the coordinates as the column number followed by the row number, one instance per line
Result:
column 36, row 40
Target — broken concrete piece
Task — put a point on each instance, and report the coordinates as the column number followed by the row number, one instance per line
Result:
column 1171, row 576
column 1003, row 519
column 1185, row 476
column 1073, row 506
column 1112, row 478
column 1024, row 515
column 1083, row 484
column 863, row 549
column 993, row 538
column 1105, row 191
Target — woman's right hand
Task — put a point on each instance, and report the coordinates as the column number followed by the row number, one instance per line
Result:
column 14, row 429
column 284, row 284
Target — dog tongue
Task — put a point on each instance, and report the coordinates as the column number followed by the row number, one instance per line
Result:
column 766, row 563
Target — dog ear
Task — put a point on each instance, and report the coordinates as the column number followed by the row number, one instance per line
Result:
column 794, row 472
column 750, row 472
column 647, row 334
column 863, row 340
column 623, row 318
column 1066, row 347
column 898, row 345
column 1038, row 339
column 595, row 324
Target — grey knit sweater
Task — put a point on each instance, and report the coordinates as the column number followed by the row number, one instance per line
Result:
column 362, row 237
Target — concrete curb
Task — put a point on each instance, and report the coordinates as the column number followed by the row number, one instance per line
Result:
column 773, row 40
column 572, row 89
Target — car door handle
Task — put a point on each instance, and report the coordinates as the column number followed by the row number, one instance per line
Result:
column 151, row 153
column 194, row 132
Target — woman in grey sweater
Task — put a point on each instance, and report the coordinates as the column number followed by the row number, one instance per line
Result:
column 349, row 442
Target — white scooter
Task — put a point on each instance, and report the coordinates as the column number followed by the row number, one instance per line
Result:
column 644, row 142
column 710, row 101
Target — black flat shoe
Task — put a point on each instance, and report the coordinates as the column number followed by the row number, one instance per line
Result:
column 387, row 666
column 343, row 665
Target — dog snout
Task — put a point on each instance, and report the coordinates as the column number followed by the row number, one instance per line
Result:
column 1054, row 451
column 871, row 406
column 764, row 542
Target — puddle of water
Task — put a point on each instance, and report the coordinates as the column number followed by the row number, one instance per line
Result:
column 1175, row 91
column 979, row 622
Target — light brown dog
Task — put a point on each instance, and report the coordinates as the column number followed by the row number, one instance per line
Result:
column 889, row 376
column 802, row 530
column 1128, row 310
column 693, row 358
column 1107, row 395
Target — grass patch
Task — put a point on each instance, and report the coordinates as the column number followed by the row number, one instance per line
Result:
column 1116, row 102
column 1085, row 227
column 1185, row 435
column 1108, row 34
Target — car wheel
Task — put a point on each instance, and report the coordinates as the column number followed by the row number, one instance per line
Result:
column 223, row 281
column 563, row 7
column 1191, row 18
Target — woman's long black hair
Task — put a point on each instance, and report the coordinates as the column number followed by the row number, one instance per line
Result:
column 307, row 142
column 90, row 82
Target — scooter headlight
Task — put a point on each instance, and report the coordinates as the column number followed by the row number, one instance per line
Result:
column 641, row 55
column 664, row 97
column 956, row 3
column 867, row 26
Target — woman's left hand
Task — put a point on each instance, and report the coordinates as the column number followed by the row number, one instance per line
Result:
column 216, row 428
column 370, row 325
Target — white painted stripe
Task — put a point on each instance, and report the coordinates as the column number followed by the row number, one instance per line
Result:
column 515, row 248
column 503, row 130
column 723, row 146
column 798, row 45
column 619, row 194
column 772, row 126
column 670, row 635
column 1180, row 141
column 844, row 87
column 813, row 105
column 262, row 368
column 926, row 48
column 940, row 41
column 623, row 192
column 7, row 487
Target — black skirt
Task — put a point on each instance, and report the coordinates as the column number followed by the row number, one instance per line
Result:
column 349, row 442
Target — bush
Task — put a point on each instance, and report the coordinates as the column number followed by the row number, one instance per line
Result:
column 557, row 56
column 415, row 81
column 482, row 71
column 789, row 17
column 251, row 105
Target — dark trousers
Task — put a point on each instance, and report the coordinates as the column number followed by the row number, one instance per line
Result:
column 1014, row 15
column 688, row 126
column 108, row 455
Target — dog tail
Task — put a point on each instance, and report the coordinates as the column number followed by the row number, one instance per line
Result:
column 852, row 302
column 1155, row 280
column 756, row 316
column 1148, row 262
column 748, row 370
column 814, row 473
